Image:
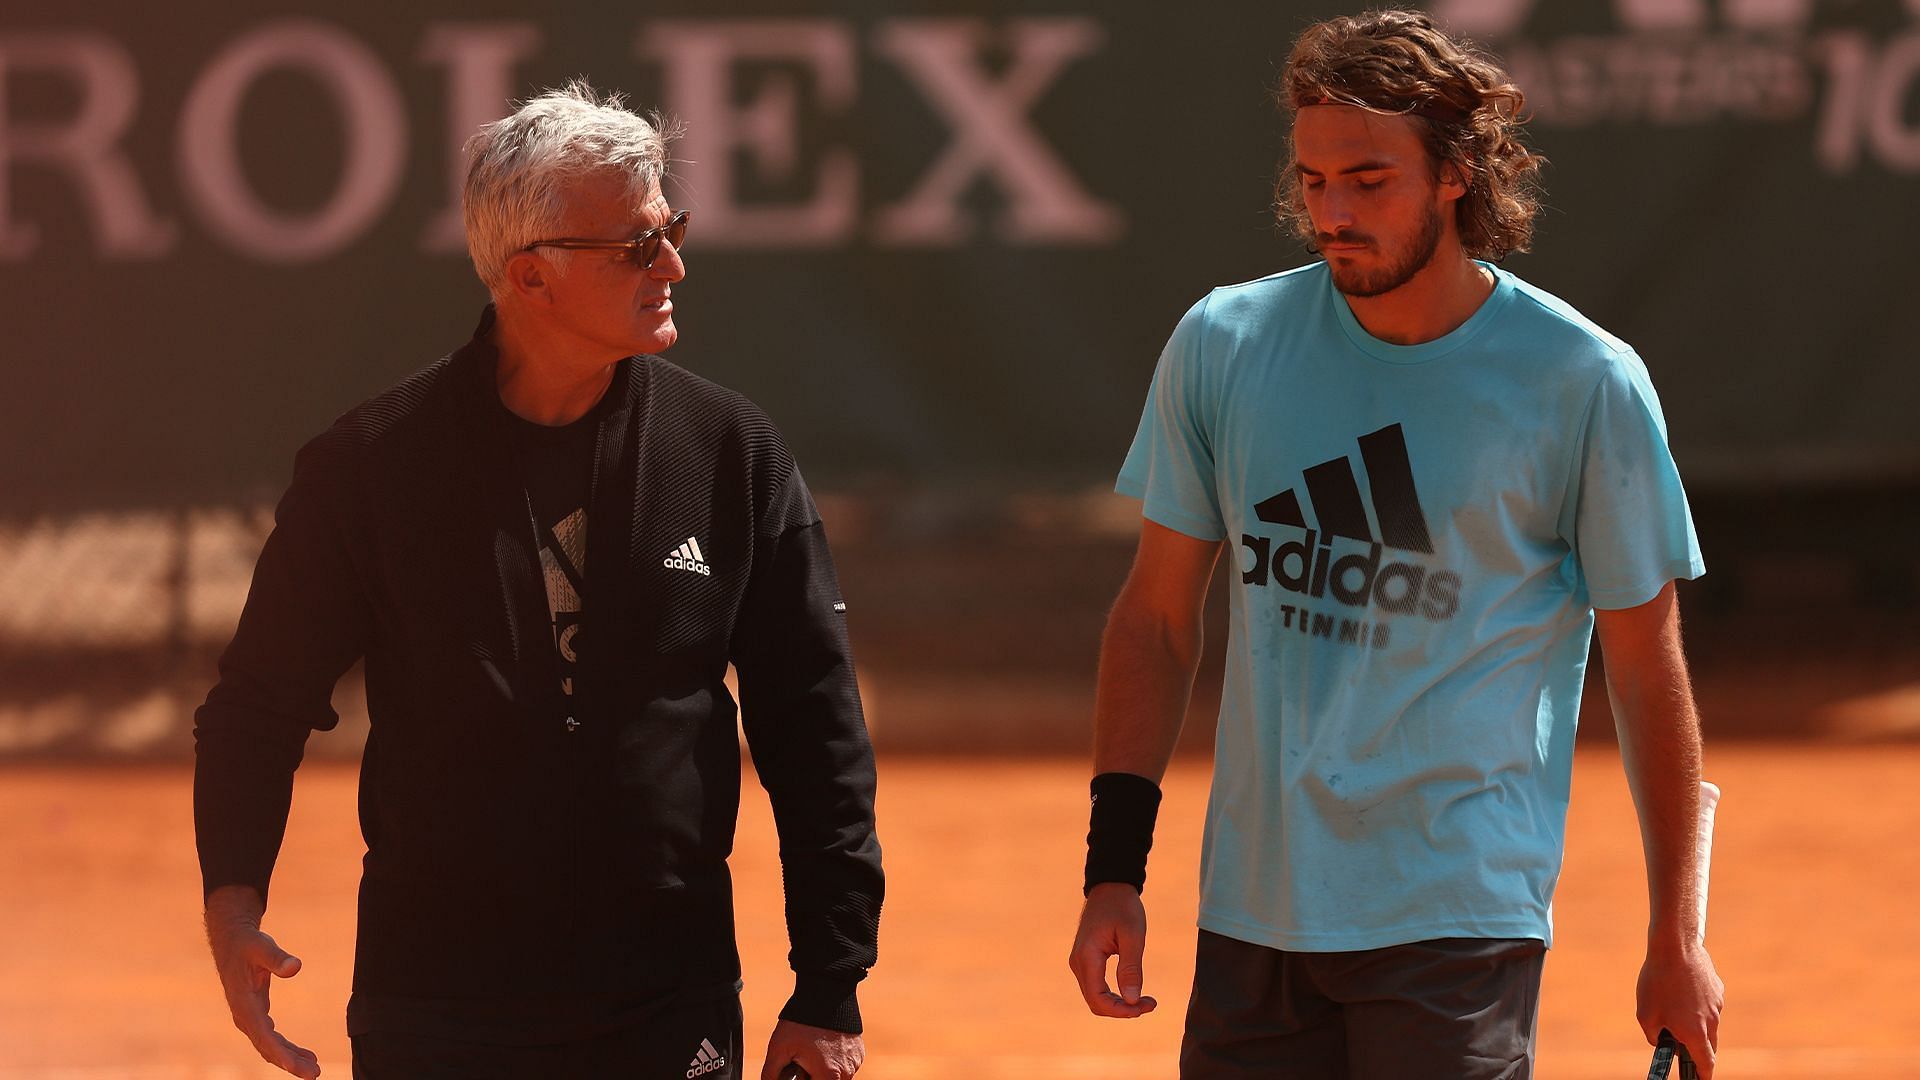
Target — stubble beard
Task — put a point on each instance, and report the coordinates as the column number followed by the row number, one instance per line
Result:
column 1413, row 258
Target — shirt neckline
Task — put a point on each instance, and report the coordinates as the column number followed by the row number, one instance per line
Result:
column 557, row 433
column 1426, row 351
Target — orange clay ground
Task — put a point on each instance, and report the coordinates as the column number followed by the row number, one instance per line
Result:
column 1816, row 885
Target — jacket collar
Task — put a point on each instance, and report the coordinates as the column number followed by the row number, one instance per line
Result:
column 476, row 365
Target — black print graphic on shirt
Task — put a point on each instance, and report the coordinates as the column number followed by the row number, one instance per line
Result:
column 563, row 562
column 1357, row 578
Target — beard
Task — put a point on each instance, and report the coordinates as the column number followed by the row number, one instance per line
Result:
column 1400, row 268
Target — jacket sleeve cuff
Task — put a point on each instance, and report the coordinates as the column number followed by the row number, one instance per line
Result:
column 823, row 1001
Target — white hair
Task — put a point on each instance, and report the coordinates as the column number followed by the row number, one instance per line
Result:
column 517, row 168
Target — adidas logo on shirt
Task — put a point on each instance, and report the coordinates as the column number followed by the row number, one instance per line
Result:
column 706, row 1061
column 1358, row 578
column 687, row 557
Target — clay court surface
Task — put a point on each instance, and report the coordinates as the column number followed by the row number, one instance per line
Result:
column 103, row 973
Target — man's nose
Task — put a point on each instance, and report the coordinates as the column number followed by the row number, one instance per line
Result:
column 668, row 266
column 1336, row 211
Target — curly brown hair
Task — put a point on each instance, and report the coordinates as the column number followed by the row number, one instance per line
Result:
column 1399, row 63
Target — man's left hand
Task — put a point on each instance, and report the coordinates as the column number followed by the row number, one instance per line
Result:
column 1681, row 992
column 826, row 1055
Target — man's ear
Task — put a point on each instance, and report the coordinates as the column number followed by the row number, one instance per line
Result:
column 1452, row 181
column 528, row 278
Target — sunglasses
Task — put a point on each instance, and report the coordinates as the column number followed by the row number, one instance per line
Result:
column 640, row 251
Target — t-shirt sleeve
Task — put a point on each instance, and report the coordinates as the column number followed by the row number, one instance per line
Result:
column 1629, row 525
column 1170, row 467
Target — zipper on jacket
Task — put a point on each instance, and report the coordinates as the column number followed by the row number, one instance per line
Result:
column 572, row 724
column 593, row 492
column 533, row 521
column 576, row 760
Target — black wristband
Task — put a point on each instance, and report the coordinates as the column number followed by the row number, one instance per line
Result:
column 1121, row 831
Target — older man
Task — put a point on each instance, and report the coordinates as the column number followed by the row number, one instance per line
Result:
column 548, row 547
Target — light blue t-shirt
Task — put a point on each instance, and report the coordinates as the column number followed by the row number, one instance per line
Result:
column 1421, row 533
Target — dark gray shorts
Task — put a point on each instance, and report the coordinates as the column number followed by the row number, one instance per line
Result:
column 1462, row 1008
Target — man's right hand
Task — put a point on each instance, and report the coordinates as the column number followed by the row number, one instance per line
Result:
column 248, row 961
column 1113, row 923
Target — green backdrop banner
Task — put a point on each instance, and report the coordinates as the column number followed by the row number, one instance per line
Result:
column 941, row 249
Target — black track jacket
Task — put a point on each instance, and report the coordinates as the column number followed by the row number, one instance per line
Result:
column 518, row 867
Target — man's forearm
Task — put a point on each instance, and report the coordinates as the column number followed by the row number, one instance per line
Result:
column 1660, row 747
column 1653, row 711
column 242, row 792
column 800, row 706
column 1146, row 678
column 1659, row 731
column 303, row 626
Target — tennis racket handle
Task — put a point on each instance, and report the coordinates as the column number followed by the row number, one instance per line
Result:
column 794, row 1072
column 1665, row 1053
column 1709, row 801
